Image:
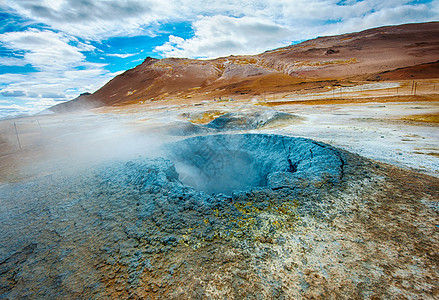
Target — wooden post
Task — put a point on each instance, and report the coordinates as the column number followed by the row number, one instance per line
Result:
column 16, row 133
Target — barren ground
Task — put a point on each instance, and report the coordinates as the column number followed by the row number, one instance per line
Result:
column 373, row 235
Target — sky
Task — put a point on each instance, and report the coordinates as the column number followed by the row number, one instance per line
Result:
column 53, row 50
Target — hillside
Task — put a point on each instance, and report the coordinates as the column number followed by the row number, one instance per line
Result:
column 385, row 53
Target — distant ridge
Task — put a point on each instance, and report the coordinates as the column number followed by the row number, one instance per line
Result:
column 385, row 53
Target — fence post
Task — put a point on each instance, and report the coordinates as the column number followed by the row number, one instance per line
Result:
column 39, row 125
column 16, row 133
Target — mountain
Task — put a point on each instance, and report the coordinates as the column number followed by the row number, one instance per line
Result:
column 385, row 53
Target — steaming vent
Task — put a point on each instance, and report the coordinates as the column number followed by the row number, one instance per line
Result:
column 238, row 162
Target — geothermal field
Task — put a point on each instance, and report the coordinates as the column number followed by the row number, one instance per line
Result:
column 306, row 172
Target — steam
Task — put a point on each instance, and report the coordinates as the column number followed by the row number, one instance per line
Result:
column 225, row 172
column 224, row 163
column 68, row 143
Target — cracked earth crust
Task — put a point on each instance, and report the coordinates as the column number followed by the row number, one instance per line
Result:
column 132, row 229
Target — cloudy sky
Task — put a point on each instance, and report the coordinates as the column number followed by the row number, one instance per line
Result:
column 53, row 50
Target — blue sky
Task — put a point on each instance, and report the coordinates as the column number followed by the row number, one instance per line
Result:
column 53, row 50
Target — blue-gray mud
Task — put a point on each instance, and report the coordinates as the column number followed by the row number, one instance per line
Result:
column 221, row 216
column 225, row 163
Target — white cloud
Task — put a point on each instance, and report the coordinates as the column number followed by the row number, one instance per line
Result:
column 53, row 95
column 298, row 19
column 45, row 89
column 44, row 49
column 398, row 14
column 59, row 83
column 14, row 106
column 93, row 19
column 12, row 61
column 222, row 35
column 60, row 64
column 262, row 25
column 7, row 93
column 122, row 55
column 9, row 78
column 15, row 110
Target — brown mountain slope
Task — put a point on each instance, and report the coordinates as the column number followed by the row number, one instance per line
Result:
column 422, row 71
column 312, row 64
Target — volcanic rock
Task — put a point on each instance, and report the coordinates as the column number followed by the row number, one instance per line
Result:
column 312, row 64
